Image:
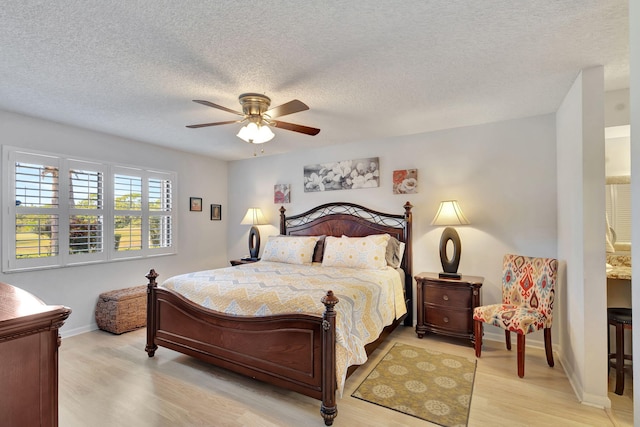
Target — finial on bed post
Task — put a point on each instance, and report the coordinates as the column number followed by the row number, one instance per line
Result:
column 329, row 409
column 283, row 227
column 152, row 278
column 151, row 346
column 407, row 209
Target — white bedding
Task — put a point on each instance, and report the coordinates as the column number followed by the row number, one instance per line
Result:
column 369, row 299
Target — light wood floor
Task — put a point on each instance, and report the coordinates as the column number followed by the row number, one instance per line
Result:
column 107, row 380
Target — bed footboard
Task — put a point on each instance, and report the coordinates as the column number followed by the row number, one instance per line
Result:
column 293, row 351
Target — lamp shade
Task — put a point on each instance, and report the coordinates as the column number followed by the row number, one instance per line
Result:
column 254, row 216
column 449, row 213
column 255, row 133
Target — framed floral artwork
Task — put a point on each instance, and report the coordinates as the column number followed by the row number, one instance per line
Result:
column 343, row 175
column 405, row 181
column 281, row 193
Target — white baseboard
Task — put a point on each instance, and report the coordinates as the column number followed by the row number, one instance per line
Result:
column 77, row 331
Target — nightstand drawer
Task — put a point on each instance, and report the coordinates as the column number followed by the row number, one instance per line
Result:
column 454, row 320
column 447, row 296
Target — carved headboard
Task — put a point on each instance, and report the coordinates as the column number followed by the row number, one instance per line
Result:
column 343, row 218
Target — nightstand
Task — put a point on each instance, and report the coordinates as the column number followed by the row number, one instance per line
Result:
column 445, row 306
column 241, row 261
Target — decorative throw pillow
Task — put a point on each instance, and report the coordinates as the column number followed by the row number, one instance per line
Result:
column 290, row 249
column 356, row 252
column 395, row 252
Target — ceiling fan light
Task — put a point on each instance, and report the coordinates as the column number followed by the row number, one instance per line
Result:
column 246, row 132
column 264, row 134
column 254, row 134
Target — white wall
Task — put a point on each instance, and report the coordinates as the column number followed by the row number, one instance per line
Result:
column 616, row 108
column 634, row 108
column 503, row 174
column 201, row 242
column 581, row 237
column 618, row 156
column 617, row 145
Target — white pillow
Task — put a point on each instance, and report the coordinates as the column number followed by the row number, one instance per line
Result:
column 356, row 252
column 290, row 249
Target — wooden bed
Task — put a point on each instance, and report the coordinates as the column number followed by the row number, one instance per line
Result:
column 294, row 351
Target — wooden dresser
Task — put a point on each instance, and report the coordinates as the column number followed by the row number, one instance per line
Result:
column 29, row 344
column 445, row 306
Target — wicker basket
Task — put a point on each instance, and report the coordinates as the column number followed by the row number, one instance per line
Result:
column 122, row 310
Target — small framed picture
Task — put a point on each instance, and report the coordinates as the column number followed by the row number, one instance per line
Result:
column 195, row 204
column 405, row 181
column 281, row 193
column 216, row 212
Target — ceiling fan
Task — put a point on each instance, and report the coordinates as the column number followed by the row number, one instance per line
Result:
column 258, row 117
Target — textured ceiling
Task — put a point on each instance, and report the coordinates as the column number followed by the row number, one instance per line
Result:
column 367, row 69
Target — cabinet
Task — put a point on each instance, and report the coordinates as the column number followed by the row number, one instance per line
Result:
column 29, row 344
column 445, row 306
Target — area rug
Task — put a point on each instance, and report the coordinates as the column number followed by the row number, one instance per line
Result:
column 426, row 384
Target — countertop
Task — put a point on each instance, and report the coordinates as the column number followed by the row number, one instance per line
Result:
column 618, row 267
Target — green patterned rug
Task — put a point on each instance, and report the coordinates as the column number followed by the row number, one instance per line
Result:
column 426, row 384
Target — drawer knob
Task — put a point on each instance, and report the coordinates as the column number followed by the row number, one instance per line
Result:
column 445, row 297
column 446, row 319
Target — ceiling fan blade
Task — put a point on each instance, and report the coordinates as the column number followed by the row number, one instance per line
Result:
column 290, row 107
column 219, row 107
column 296, row 128
column 213, row 124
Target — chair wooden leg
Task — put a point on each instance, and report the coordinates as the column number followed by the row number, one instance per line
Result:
column 477, row 331
column 619, row 358
column 521, row 355
column 547, row 346
column 507, row 338
column 609, row 354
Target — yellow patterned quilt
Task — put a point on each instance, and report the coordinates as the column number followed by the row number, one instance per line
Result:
column 369, row 299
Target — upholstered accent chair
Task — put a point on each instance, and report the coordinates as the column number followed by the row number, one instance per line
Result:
column 528, row 292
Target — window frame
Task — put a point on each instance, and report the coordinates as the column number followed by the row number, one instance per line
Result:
column 10, row 263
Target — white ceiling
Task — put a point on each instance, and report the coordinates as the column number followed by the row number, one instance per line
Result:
column 367, row 69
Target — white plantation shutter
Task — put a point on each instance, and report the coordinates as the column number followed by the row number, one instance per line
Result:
column 160, row 212
column 34, row 220
column 64, row 211
column 86, row 211
column 618, row 202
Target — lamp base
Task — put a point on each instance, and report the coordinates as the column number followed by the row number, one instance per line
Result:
column 450, row 265
column 444, row 275
column 254, row 242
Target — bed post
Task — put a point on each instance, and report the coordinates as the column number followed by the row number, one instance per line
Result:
column 283, row 225
column 151, row 346
column 408, row 267
column 328, row 409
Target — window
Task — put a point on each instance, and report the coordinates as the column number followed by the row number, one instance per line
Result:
column 127, row 203
column 160, row 205
column 86, row 209
column 65, row 211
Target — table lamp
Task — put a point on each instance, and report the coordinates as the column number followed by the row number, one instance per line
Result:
column 449, row 213
column 254, row 217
